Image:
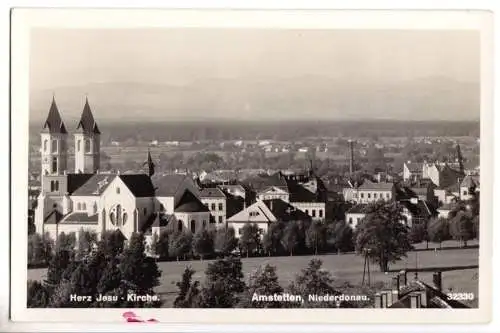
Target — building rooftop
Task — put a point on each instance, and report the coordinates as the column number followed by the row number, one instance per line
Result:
column 54, row 123
column 212, row 193
column 189, row 203
column 87, row 123
column 369, row 185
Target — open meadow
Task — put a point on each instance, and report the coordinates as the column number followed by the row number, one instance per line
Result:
column 343, row 267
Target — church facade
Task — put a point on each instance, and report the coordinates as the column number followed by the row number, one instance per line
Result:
column 92, row 200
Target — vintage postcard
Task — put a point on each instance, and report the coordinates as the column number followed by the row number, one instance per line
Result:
column 201, row 167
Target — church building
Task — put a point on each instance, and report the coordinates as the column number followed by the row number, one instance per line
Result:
column 92, row 200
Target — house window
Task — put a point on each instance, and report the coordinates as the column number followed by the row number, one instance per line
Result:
column 87, row 146
column 213, row 206
column 261, row 231
column 117, row 190
column 358, row 219
column 362, row 195
column 374, row 195
column 52, row 186
column 54, row 146
column 355, row 195
column 220, row 219
column 54, row 164
column 204, row 223
column 221, row 206
column 240, row 231
column 320, row 213
column 45, row 142
column 369, row 195
column 465, row 193
column 56, row 183
column 145, row 210
column 179, row 225
column 307, row 211
column 79, row 206
column 79, row 145
column 125, row 217
column 387, row 195
column 314, row 213
column 350, row 220
column 84, row 206
column 193, row 226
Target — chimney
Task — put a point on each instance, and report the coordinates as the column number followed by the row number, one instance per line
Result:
column 351, row 157
column 389, row 298
column 395, row 289
column 378, row 301
column 437, row 280
column 402, row 278
column 415, row 300
column 383, row 296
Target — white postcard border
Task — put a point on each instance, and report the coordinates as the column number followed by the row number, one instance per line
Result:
column 25, row 19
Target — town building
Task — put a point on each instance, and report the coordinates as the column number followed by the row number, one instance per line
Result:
column 215, row 200
column 265, row 212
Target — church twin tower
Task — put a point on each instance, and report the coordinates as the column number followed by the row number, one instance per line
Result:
column 54, row 147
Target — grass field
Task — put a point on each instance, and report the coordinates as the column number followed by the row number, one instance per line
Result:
column 344, row 267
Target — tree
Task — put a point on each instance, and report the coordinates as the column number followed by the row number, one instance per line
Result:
column 110, row 278
column 162, row 245
column 86, row 241
column 340, row 236
column 461, row 227
column 475, row 223
column 223, row 284
column 203, row 243
column 36, row 250
column 313, row 280
column 290, row 238
column 112, row 243
column 225, row 241
column 138, row 269
column 263, row 281
column 316, row 236
column 37, row 295
column 180, row 244
column 66, row 242
column 382, row 235
column 154, row 244
column 57, row 267
column 418, row 233
column 189, row 291
column 250, row 238
column 271, row 241
column 438, row 230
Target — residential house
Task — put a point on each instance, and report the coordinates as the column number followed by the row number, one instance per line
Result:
column 215, row 200
column 263, row 213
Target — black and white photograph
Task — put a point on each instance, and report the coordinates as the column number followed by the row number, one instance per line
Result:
column 253, row 168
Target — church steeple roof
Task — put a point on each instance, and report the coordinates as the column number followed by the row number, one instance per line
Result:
column 87, row 123
column 54, row 122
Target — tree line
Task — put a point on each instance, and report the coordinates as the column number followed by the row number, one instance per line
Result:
column 224, row 286
column 111, row 269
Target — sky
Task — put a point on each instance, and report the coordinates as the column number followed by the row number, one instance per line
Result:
column 154, row 74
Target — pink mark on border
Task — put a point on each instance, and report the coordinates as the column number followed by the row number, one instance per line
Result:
column 131, row 317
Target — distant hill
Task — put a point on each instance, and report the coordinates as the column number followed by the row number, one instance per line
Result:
column 317, row 97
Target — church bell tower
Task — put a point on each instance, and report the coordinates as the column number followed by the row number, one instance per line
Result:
column 54, row 143
column 87, row 143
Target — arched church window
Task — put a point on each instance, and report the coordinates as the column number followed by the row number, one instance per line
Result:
column 84, row 206
column 193, row 226
column 125, row 217
column 95, row 207
column 54, row 164
column 179, row 225
column 79, row 145
column 87, row 146
column 54, row 146
column 52, row 186
column 119, row 215
column 79, row 206
column 117, row 190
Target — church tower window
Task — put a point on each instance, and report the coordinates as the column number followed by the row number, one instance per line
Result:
column 87, row 146
column 54, row 164
column 54, row 146
column 179, row 225
column 45, row 142
column 79, row 145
